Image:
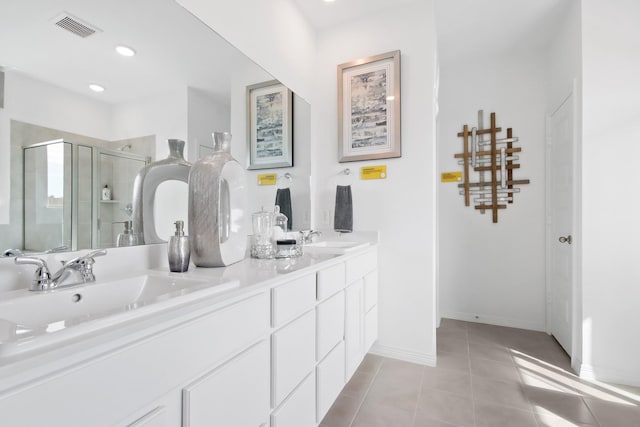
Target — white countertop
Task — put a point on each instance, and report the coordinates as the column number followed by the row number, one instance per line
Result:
column 252, row 276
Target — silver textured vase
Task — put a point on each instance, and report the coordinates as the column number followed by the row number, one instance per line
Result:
column 174, row 167
column 217, row 205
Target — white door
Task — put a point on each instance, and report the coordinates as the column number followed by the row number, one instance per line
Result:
column 560, row 212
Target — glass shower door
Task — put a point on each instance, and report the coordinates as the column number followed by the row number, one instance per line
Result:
column 48, row 196
column 84, row 197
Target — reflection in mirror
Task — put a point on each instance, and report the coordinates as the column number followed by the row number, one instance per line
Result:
column 59, row 181
column 116, row 174
column 185, row 82
column 47, row 180
column 145, row 188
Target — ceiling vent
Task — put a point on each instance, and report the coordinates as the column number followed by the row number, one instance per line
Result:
column 75, row 25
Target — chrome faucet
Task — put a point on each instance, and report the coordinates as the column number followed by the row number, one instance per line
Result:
column 308, row 235
column 73, row 272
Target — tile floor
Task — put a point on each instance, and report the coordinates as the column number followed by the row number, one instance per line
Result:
column 487, row 376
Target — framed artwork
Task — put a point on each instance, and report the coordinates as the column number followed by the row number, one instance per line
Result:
column 369, row 108
column 269, row 126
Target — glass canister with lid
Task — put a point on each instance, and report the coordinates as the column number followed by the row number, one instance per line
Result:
column 262, row 239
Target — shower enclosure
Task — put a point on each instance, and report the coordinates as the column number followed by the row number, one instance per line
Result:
column 63, row 207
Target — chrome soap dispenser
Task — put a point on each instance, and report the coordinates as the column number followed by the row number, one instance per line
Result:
column 179, row 250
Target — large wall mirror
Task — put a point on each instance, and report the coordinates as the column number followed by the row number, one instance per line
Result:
column 61, row 143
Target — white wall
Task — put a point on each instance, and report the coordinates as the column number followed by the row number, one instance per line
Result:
column 205, row 115
column 402, row 206
column 34, row 101
column 272, row 33
column 494, row 273
column 163, row 115
column 610, row 207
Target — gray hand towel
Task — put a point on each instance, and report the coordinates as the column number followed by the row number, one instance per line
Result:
column 283, row 199
column 343, row 217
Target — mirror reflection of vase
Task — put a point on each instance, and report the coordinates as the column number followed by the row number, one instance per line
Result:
column 217, row 204
column 174, row 167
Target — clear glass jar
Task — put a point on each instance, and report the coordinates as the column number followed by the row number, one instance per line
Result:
column 262, row 245
column 289, row 246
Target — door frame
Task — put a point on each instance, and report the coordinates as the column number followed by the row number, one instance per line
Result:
column 576, row 294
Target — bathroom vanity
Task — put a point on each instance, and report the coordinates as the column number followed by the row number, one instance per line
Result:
column 262, row 343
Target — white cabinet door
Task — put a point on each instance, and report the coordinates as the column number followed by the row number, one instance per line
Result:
column 330, row 281
column 330, row 380
column 330, row 324
column 299, row 410
column 354, row 328
column 294, row 355
column 361, row 265
column 291, row 299
column 370, row 290
column 370, row 328
column 234, row 395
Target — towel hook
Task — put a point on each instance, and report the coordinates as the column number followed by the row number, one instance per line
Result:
column 287, row 176
column 347, row 171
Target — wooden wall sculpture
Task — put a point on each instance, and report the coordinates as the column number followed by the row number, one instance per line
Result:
column 493, row 157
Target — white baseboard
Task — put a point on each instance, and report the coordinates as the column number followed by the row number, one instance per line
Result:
column 607, row 375
column 576, row 365
column 406, row 355
column 493, row 320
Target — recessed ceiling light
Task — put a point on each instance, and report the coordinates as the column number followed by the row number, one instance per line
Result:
column 96, row 88
column 125, row 50
column 329, row 1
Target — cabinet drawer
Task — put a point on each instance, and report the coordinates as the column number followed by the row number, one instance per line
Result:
column 370, row 328
column 235, row 394
column 292, row 299
column 370, row 290
column 299, row 410
column 330, row 324
column 359, row 266
column 294, row 355
column 330, row 380
column 330, row 281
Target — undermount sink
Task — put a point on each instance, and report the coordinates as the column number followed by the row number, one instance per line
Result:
column 31, row 320
column 334, row 246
